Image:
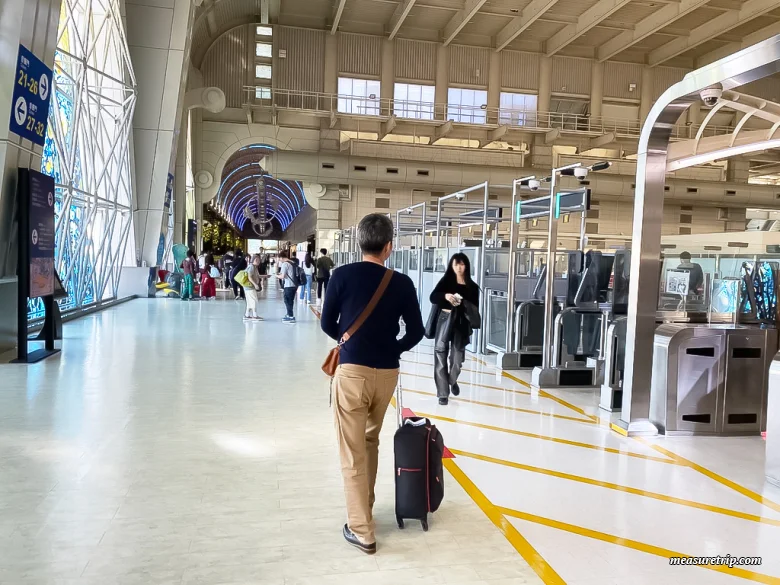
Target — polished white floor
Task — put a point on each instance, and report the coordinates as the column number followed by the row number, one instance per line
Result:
column 172, row 443
column 595, row 506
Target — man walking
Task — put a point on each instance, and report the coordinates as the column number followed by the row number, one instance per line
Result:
column 288, row 280
column 324, row 268
column 369, row 363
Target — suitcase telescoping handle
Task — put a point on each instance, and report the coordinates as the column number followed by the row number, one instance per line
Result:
column 399, row 403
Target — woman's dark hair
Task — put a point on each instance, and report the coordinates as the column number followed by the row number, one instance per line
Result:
column 210, row 259
column 460, row 258
column 308, row 261
column 284, row 255
column 190, row 253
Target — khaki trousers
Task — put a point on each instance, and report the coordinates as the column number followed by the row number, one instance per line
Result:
column 360, row 399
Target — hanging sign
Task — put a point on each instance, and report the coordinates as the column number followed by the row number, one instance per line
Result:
column 30, row 102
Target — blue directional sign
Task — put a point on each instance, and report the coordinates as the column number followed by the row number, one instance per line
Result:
column 32, row 92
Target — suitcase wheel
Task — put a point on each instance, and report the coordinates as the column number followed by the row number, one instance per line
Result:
column 400, row 522
column 424, row 525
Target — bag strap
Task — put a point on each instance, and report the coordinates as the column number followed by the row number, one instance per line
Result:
column 371, row 304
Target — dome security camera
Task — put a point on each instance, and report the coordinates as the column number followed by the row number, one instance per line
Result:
column 711, row 95
column 460, row 196
column 581, row 172
column 534, row 185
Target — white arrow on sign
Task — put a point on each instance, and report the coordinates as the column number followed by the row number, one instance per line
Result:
column 43, row 87
column 20, row 111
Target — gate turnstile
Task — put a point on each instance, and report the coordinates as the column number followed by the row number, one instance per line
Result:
column 710, row 379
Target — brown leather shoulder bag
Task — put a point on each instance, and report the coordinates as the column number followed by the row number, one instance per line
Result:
column 332, row 361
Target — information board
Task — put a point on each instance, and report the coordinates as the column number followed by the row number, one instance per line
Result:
column 677, row 281
column 41, row 217
column 565, row 202
column 30, row 101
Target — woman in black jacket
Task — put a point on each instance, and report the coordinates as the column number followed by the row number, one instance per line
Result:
column 457, row 298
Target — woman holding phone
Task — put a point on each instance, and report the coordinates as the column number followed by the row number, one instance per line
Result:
column 457, row 298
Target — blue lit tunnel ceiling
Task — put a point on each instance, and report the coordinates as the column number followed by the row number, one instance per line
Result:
column 237, row 190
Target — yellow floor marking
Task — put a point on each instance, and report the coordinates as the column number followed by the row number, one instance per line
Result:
column 462, row 370
column 618, row 429
column 620, row 488
column 551, row 439
column 636, row 545
column 714, row 476
column 546, row 394
column 540, row 566
column 512, row 408
column 522, row 392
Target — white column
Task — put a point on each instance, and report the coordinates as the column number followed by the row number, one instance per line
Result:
column 331, row 64
column 387, row 80
column 545, row 87
column 442, row 80
column 646, row 100
column 597, row 91
column 158, row 40
column 494, row 87
column 180, row 185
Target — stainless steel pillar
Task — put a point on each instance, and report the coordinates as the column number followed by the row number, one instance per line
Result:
column 738, row 69
column 552, row 248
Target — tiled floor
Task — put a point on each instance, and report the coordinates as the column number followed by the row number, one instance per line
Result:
column 171, row 443
column 595, row 506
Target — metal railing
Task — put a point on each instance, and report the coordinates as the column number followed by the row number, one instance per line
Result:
column 320, row 103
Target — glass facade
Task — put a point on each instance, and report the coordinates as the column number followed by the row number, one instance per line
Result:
column 87, row 151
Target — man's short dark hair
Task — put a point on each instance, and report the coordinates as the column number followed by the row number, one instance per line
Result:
column 374, row 232
column 685, row 256
column 324, row 251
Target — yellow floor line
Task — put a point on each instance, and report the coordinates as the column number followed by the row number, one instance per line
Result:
column 540, row 566
column 551, row 439
column 636, row 545
column 619, row 488
column 714, row 476
column 462, row 370
column 488, row 386
column 546, row 394
column 512, row 408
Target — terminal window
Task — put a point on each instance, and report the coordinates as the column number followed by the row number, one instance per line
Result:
column 516, row 109
column 264, row 31
column 466, row 105
column 263, row 71
column 264, row 50
column 358, row 96
column 414, row 101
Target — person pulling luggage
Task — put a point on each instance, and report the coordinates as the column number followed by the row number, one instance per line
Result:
column 363, row 306
column 454, row 316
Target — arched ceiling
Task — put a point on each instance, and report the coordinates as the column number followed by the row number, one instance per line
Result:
column 674, row 32
column 285, row 199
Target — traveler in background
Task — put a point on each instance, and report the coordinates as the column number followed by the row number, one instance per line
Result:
column 263, row 268
column 189, row 267
column 306, row 287
column 324, row 267
column 696, row 278
column 285, row 276
column 369, row 363
column 252, row 289
column 457, row 298
column 226, row 262
column 208, row 286
column 239, row 264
